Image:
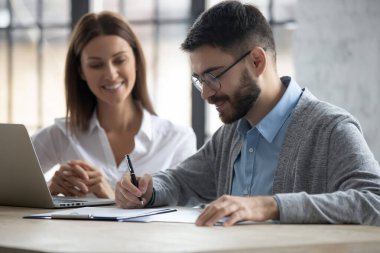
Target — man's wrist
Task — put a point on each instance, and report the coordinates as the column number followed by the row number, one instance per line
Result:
column 152, row 199
column 275, row 209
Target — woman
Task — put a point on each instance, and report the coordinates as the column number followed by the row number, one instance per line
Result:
column 109, row 114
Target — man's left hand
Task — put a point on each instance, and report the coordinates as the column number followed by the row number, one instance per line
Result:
column 236, row 209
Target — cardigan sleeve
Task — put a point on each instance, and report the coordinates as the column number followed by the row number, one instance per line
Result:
column 193, row 181
column 350, row 191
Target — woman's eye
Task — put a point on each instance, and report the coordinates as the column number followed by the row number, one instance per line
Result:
column 120, row 61
column 96, row 66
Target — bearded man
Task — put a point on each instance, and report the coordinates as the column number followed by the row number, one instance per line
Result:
column 282, row 154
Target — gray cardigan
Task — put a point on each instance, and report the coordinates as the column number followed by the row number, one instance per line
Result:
column 326, row 172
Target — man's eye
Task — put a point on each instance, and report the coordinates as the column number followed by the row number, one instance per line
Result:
column 210, row 77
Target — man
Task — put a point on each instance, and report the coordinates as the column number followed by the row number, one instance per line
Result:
column 282, row 154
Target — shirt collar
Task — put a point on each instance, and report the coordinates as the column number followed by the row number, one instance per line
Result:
column 146, row 124
column 271, row 124
column 145, row 129
column 143, row 139
column 94, row 122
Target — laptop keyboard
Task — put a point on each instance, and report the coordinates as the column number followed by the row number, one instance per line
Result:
column 77, row 202
column 61, row 201
column 58, row 200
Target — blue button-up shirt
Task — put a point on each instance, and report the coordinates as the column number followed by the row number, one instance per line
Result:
column 256, row 165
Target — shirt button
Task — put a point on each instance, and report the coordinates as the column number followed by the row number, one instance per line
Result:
column 250, row 150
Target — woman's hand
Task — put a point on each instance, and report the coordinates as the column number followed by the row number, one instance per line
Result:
column 78, row 178
column 96, row 183
column 70, row 181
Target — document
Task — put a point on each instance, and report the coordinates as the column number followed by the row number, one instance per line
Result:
column 182, row 215
column 186, row 215
column 101, row 213
column 172, row 215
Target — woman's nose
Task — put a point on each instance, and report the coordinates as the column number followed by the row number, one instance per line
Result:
column 111, row 72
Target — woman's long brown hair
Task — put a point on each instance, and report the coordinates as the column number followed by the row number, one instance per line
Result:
column 80, row 101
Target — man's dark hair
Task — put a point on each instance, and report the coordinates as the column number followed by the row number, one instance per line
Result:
column 232, row 26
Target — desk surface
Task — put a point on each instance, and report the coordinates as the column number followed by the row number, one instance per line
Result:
column 22, row 235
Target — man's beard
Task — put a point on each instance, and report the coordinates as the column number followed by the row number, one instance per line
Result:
column 241, row 101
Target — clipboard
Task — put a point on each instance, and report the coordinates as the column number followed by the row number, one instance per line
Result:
column 101, row 213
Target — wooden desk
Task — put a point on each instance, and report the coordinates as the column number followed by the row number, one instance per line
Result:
column 25, row 235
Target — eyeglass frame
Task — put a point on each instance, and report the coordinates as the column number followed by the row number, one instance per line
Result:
column 197, row 79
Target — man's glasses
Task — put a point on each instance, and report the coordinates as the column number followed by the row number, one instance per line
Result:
column 213, row 82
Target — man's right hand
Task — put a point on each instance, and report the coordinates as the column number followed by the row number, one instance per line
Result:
column 127, row 195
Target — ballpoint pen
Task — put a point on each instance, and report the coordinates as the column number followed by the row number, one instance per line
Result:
column 133, row 177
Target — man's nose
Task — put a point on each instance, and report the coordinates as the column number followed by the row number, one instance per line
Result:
column 207, row 91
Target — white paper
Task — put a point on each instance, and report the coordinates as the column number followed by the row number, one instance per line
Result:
column 111, row 213
column 182, row 216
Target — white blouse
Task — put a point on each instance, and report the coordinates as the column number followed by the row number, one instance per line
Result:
column 159, row 145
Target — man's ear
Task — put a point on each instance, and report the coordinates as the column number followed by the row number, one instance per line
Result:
column 258, row 60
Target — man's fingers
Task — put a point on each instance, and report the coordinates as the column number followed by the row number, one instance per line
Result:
column 209, row 217
column 235, row 209
column 127, row 195
column 233, row 218
column 214, row 212
column 146, row 187
column 127, row 185
column 126, row 199
column 144, row 183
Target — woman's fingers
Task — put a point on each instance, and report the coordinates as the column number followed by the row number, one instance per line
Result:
column 66, row 178
column 77, row 184
column 79, row 171
column 95, row 177
column 60, row 185
column 56, row 189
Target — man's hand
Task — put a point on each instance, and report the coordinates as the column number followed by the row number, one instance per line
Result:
column 237, row 209
column 127, row 195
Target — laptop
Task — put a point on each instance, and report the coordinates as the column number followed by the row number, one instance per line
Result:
column 22, row 182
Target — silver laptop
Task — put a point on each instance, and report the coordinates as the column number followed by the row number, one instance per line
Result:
column 22, row 182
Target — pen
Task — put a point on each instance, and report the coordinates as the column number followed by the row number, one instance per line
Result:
column 133, row 177
column 201, row 206
column 72, row 216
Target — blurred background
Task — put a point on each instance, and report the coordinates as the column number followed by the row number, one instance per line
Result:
column 330, row 47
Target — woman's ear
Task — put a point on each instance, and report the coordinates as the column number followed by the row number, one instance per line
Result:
column 258, row 59
column 81, row 73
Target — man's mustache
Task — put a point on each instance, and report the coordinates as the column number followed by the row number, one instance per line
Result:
column 215, row 99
